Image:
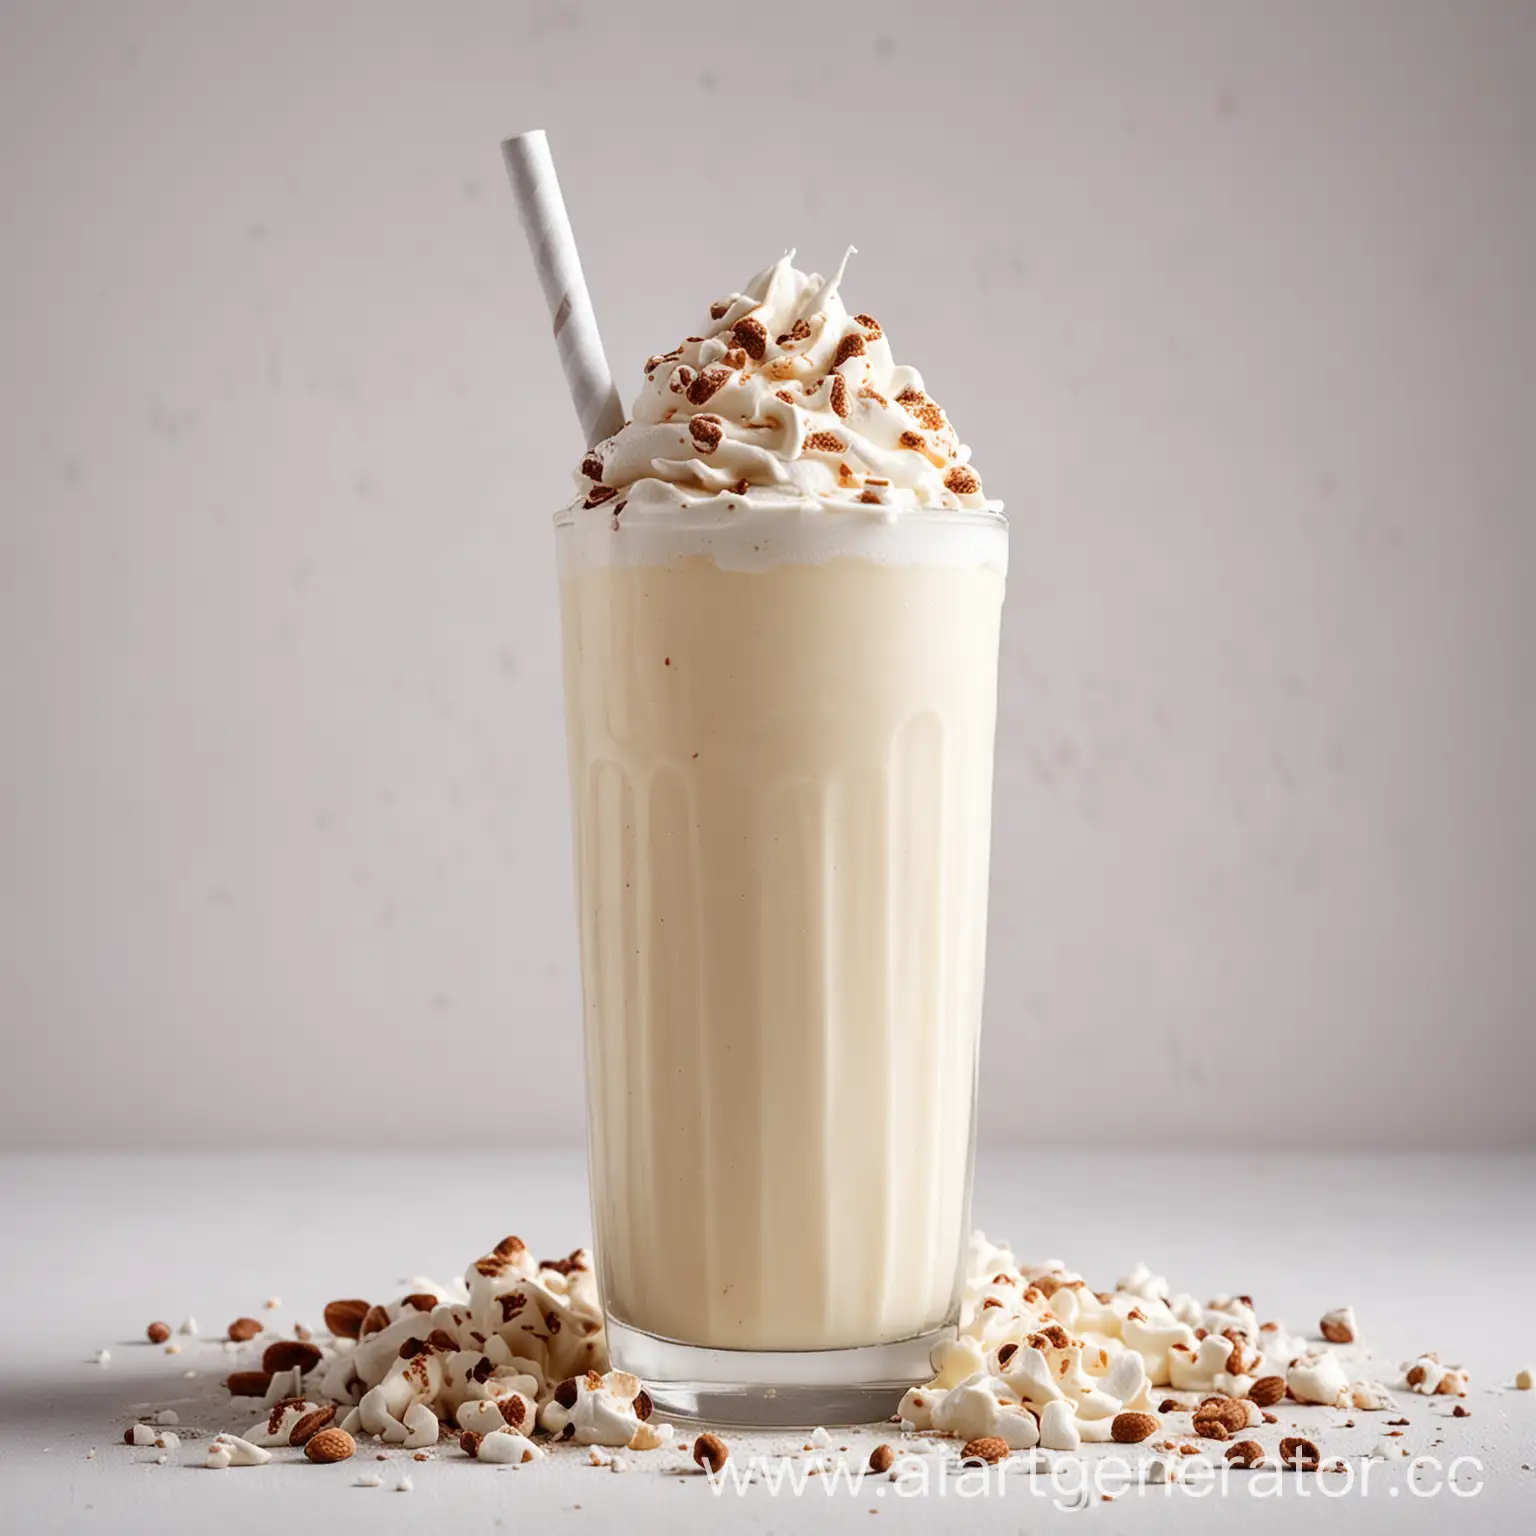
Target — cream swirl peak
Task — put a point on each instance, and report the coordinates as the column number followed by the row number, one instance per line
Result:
column 786, row 399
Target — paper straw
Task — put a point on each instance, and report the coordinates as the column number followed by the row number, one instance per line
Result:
column 537, row 189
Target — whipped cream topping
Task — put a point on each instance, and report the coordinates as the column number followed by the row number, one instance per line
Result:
column 784, row 398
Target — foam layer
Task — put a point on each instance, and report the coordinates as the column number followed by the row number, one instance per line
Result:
column 758, row 534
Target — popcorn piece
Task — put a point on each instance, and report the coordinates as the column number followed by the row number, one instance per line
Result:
column 1371, row 1397
column 595, row 1410
column 983, row 1408
column 1428, row 1377
column 1339, row 1326
column 278, row 1427
column 1141, row 1281
column 103, row 1357
column 188, row 1327
column 1524, row 1378
column 168, row 1440
column 369, row 1480
column 1318, row 1378
column 1195, row 1370
column 405, row 1485
column 232, row 1451
column 421, row 1427
column 509, row 1448
column 138, row 1434
column 1059, row 1429
column 651, row 1437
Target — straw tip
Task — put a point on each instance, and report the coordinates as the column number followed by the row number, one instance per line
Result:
column 531, row 136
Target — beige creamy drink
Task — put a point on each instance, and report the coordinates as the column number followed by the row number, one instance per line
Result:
column 781, row 593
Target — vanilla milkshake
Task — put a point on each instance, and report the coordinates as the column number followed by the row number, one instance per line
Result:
column 781, row 588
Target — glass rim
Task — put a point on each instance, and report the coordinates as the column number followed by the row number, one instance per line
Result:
column 962, row 517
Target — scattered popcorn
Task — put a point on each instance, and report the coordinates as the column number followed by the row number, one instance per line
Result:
column 508, row 1447
column 651, row 1437
column 618, row 1464
column 1427, row 1376
column 820, row 1438
column 1524, row 1378
column 168, row 1440
column 1371, row 1397
column 139, row 1434
column 1059, row 1429
column 232, row 1451
column 189, row 1327
column 103, row 1357
column 369, row 1480
column 273, row 1303
column 1318, row 1378
column 167, row 1416
column 278, row 1426
column 405, row 1485
column 596, row 1410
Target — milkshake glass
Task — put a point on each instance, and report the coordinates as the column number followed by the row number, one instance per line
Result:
column 780, row 708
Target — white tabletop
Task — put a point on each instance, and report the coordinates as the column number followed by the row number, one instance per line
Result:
column 1433, row 1253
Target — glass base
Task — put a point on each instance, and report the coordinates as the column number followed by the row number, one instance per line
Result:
column 781, row 1389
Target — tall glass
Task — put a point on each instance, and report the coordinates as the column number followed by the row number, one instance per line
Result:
column 780, row 736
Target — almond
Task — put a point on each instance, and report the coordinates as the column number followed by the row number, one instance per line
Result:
column 1267, row 1391
column 330, row 1445
column 469, row 1443
column 710, row 1452
column 425, row 1301
column 1246, row 1453
column 244, row 1329
column 1338, row 1326
column 643, row 1405
column 311, row 1425
column 1298, row 1454
column 374, row 1321
column 1212, row 1429
column 1132, row 1428
column 986, row 1449
column 881, row 1458
column 158, row 1333
column 248, row 1383
column 1227, row 1410
column 287, row 1354
column 345, row 1318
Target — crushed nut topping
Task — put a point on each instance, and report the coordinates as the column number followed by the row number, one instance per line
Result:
column 752, row 337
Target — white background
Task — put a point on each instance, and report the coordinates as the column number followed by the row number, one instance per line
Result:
column 1233, row 302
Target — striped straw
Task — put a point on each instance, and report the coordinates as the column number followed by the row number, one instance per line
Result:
column 537, row 190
